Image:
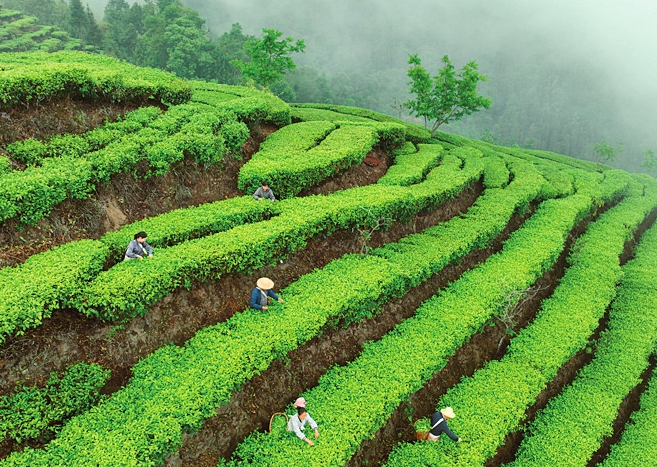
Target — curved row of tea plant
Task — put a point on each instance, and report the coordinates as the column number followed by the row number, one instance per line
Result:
column 23, row 307
column 308, row 114
column 31, row 151
column 20, row 33
column 56, row 278
column 406, row 148
column 184, row 224
column 256, row 108
column 560, row 158
column 46, row 282
column 622, row 351
column 638, row 444
column 412, row 168
column 295, row 139
column 129, row 287
column 175, row 389
column 250, row 105
column 558, row 174
column 293, row 161
column 414, row 133
column 31, row 413
column 195, row 130
column 35, row 77
column 355, row 400
column 504, row 389
column 496, row 173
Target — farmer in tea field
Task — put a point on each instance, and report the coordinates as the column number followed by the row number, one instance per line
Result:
column 138, row 248
column 439, row 425
column 261, row 294
column 264, row 192
column 298, row 421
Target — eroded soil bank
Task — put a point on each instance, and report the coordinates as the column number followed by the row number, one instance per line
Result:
column 124, row 200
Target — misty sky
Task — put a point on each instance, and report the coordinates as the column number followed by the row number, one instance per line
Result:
column 613, row 43
column 620, row 37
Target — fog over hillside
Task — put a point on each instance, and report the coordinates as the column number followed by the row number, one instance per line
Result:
column 571, row 73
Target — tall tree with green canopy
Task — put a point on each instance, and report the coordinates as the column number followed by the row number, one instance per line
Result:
column 123, row 25
column 606, row 153
column 449, row 96
column 77, row 23
column 270, row 57
column 93, row 35
column 231, row 46
column 175, row 39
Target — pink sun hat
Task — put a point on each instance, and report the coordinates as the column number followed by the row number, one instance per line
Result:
column 300, row 402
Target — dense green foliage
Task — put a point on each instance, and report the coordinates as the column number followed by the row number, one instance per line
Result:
column 189, row 130
column 448, row 96
column 301, row 155
column 562, row 327
column 30, row 413
column 270, row 57
column 639, row 441
column 31, row 151
column 31, row 78
column 120, row 292
column 188, row 223
column 411, row 168
column 623, row 350
column 414, row 133
column 175, row 389
column 182, row 373
column 46, row 282
column 389, row 370
column 250, row 105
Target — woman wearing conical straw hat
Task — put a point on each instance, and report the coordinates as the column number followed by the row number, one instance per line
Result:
column 262, row 292
column 439, row 425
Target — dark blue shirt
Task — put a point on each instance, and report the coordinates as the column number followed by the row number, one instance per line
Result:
column 441, row 427
column 257, row 298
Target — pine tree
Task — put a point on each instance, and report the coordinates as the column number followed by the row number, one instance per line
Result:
column 77, row 20
column 94, row 35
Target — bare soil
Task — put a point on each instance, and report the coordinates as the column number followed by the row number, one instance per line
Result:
column 41, row 121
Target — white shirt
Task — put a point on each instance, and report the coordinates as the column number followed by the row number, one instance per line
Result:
column 296, row 425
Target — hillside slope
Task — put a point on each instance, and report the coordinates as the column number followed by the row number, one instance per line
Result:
column 414, row 272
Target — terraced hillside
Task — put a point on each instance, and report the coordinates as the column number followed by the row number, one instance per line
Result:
column 416, row 273
column 21, row 33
